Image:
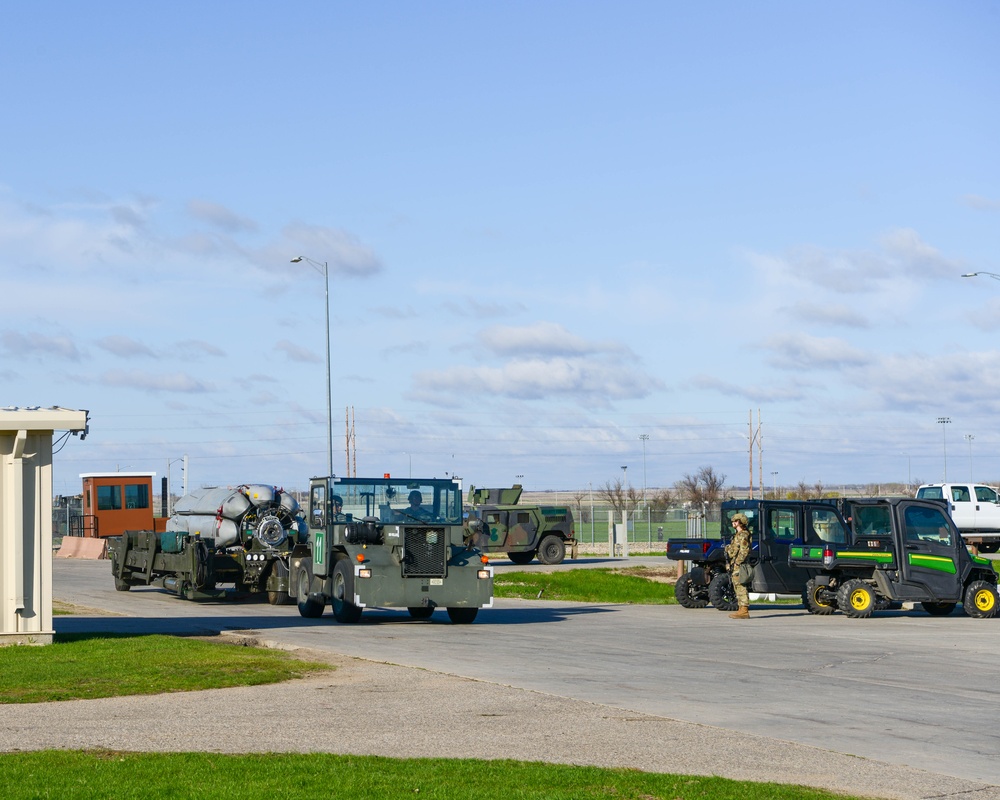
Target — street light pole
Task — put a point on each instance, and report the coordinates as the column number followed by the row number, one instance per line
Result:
column 969, row 437
column 943, row 421
column 329, row 396
column 774, row 484
column 644, row 437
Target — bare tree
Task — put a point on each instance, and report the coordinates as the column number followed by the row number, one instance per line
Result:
column 613, row 494
column 578, row 498
column 662, row 500
column 704, row 487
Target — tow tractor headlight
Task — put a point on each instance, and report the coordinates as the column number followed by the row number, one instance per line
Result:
column 365, row 573
column 483, row 574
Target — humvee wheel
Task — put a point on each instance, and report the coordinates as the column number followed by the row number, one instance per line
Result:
column 856, row 599
column 689, row 595
column 721, row 593
column 551, row 550
column 309, row 607
column 938, row 609
column 818, row 598
column 462, row 616
column 421, row 612
column 343, row 593
column 521, row 558
column 980, row 600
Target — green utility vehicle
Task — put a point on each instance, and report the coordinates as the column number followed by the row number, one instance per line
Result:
column 894, row 550
column 521, row 531
column 389, row 543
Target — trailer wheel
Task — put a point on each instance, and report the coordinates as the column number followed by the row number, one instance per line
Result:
column 989, row 547
column 280, row 598
column 856, row 599
column 462, row 616
column 818, row 599
column 688, row 594
column 309, row 607
column 521, row 557
column 938, row 609
column 551, row 550
column 721, row 593
column 342, row 595
column 421, row 612
column 980, row 600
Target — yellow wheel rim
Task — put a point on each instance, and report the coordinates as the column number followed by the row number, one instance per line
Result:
column 859, row 599
column 984, row 600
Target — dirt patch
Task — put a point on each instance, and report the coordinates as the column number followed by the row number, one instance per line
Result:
column 655, row 574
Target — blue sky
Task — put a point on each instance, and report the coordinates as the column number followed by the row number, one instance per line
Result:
column 551, row 227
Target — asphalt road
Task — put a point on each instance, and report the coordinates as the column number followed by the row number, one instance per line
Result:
column 900, row 705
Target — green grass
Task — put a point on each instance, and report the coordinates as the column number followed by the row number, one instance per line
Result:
column 72, row 774
column 585, row 586
column 85, row 667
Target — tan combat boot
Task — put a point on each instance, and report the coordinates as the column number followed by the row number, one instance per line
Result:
column 742, row 613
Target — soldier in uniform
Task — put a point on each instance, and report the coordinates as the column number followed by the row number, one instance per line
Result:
column 737, row 551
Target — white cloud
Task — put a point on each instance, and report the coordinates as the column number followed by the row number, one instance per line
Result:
column 220, row 216
column 154, row 382
column 41, row 345
column 297, row 353
column 799, row 351
column 125, row 347
column 542, row 338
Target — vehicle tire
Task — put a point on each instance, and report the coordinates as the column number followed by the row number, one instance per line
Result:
column 521, row 558
column 980, row 600
column 342, row 595
column 421, row 612
column 462, row 616
column 279, row 598
column 989, row 547
column 309, row 606
column 122, row 586
column 688, row 594
column 856, row 599
column 551, row 550
column 938, row 609
column 818, row 598
column 721, row 593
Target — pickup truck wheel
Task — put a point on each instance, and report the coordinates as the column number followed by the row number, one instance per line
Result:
column 521, row 558
column 342, row 597
column 421, row 612
column 980, row 600
column 818, row 599
column 938, row 609
column 856, row 599
column 551, row 550
column 721, row 593
column 688, row 594
column 309, row 607
column 462, row 616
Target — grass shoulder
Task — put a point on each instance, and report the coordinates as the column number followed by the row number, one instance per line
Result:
column 72, row 774
column 84, row 667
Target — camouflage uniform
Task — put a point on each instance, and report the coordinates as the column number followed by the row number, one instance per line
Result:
column 737, row 552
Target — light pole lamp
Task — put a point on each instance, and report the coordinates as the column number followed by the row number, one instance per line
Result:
column 969, row 437
column 324, row 269
column 993, row 275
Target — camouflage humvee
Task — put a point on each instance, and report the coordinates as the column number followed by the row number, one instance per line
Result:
column 522, row 532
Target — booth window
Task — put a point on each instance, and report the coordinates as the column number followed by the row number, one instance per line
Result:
column 136, row 495
column 109, row 498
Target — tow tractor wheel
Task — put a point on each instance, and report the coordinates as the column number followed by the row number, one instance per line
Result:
column 688, row 594
column 462, row 615
column 856, row 599
column 721, row 593
column 342, row 600
column 421, row 612
column 309, row 607
column 981, row 600
column 818, row 598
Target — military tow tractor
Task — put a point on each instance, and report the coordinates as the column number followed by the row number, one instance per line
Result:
column 522, row 532
column 239, row 537
column 895, row 550
column 774, row 527
column 390, row 543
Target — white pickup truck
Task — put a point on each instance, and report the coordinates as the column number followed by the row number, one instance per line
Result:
column 975, row 508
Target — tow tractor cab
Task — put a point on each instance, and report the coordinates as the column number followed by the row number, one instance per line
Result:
column 897, row 550
column 389, row 543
